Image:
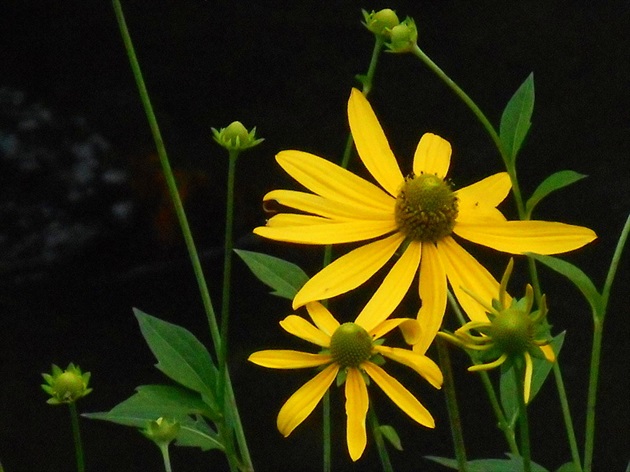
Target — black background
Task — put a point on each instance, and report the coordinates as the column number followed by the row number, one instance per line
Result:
column 287, row 68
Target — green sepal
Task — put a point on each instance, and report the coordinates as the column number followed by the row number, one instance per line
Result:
column 554, row 182
column 181, row 356
column 377, row 359
column 391, row 435
column 341, row 377
column 284, row 277
column 514, row 463
column 516, row 119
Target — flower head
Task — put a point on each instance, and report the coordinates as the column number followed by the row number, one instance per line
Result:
column 381, row 22
column 350, row 352
column 513, row 333
column 403, row 37
column 416, row 216
column 162, row 431
column 236, row 137
column 66, row 386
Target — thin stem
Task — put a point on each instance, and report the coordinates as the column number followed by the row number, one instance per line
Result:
column 614, row 264
column 523, row 422
column 326, row 432
column 386, row 463
column 451, row 405
column 166, row 457
column 76, row 434
column 566, row 415
column 183, row 222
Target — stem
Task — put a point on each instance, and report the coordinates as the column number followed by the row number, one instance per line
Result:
column 326, row 432
column 380, row 443
column 522, row 418
column 451, row 405
column 566, row 414
column 183, row 223
column 76, row 434
column 166, row 457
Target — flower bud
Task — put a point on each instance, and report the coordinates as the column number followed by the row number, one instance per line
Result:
column 236, row 137
column 162, row 431
column 403, row 37
column 381, row 22
column 66, row 386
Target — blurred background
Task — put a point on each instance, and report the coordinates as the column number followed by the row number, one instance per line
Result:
column 87, row 231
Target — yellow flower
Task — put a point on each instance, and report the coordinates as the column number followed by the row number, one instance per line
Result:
column 350, row 350
column 416, row 216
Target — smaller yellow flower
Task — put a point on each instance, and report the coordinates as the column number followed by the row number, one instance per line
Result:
column 350, row 351
column 513, row 333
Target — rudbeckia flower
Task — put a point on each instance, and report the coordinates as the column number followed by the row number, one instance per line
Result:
column 417, row 216
column 351, row 351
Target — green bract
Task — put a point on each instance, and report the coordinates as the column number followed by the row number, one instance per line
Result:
column 66, row 386
column 235, row 137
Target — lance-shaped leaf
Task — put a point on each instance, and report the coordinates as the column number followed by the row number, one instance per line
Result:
column 514, row 463
column 516, row 118
column 552, row 183
column 285, row 278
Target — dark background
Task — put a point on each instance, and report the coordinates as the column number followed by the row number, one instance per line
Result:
column 286, row 68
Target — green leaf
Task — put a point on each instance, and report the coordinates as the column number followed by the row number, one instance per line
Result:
column 284, row 277
column 575, row 275
column 541, row 369
column 513, row 464
column 552, row 183
column 516, row 118
column 180, row 355
column 568, row 467
column 197, row 433
column 391, row 435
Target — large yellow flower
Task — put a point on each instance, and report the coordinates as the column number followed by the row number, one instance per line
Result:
column 416, row 216
column 349, row 350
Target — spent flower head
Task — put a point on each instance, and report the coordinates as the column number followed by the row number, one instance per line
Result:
column 513, row 333
column 352, row 353
column 381, row 22
column 66, row 386
column 235, row 137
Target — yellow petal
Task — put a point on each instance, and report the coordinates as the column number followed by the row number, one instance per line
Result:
column 322, row 318
column 394, row 287
column 527, row 381
column 357, row 402
column 283, row 220
column 323, row 231
column 463, row 270
column 477, row 202
column 321, row 206
column 432, row 291
column 517, row 237
column 331, row 181
column 286, row 359
column 433, row 156
column 418, row 362
column 304, row 400
column 301, row 328
column 399, row 395
column 349, row 271
column 548, row 352
column 409, row 328
column 372, row 144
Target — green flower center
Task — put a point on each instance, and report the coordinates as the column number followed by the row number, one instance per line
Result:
column 512, row 331
column 426, row 208
column 350, row 345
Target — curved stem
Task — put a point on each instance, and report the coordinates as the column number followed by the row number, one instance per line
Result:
column 166, row 457
column 386, row 463
column 76, row 434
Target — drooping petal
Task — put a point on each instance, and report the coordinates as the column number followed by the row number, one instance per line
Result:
column 547, row 350
column 287, row 359
column 409, row 328
column 394, row 287
column 321, row 206
column 418, row 362
column 517, row 237
column 432, row 289
column 463, row 270
column 322, row 318
column 304, row 400
column 331, row 181
column 527, row 381
column 433, row 156
column 402, row 397
column 477, row 203
column 372, row 144
column 349, row 271
column 357, row 402
column 301, row 328
column 323, row 231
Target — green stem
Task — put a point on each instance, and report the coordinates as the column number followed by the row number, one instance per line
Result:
column 386, row 463
column 451, row 404
column 183, row 222
column 76, row 434
column 326, row 432
column 598, row 331
column 566, row 414
column 523, row 423
column 166, row 457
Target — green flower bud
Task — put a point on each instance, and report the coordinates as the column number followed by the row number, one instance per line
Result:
column 66, row 386
column 235, row 137
column 403, row 37
column 381, row 22
column 162, row 431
